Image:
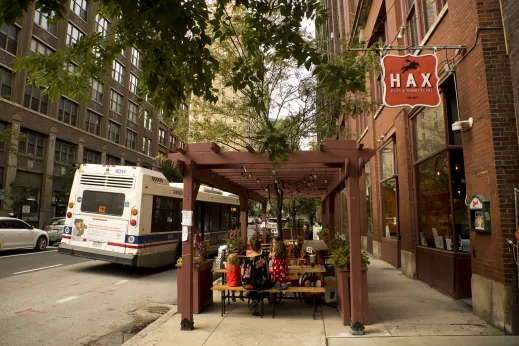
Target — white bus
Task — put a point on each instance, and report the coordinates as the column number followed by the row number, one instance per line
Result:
column 132, row 216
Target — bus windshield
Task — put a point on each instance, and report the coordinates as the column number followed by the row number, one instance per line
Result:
column 105, row 203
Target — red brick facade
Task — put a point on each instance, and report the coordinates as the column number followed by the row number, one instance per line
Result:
column 485, row 79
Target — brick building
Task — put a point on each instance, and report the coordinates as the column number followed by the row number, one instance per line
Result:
column 419, row 184
column 111, row 128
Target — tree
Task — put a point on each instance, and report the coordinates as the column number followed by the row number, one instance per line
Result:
column 300, row 206
column 170, row 170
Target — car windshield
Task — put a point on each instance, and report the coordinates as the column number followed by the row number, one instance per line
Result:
column 57, row 222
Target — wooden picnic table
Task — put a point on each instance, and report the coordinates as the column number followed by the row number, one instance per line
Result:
column 307, row 269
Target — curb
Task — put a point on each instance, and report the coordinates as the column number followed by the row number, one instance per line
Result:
column 152, row 327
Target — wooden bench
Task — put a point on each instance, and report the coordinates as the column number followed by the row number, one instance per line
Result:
column 314, row 291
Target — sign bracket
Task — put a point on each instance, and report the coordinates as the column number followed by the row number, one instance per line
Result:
column 412, row 48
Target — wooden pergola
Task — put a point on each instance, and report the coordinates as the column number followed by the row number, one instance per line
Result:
column 250, row 175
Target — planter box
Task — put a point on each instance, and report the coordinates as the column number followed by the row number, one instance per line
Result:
column 344, row 296
column 202, row 283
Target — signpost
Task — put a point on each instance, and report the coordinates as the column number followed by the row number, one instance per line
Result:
column 410, row 80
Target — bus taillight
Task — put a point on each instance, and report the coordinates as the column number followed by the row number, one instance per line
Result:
column 133, row 222
column 71, row 205
column 135, row 211
column 69, row 214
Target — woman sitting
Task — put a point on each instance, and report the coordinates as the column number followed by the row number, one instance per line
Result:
column 255, row 271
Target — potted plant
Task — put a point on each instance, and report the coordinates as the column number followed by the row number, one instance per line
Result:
column 234, row 242
column 202, row 277
column 340, row 259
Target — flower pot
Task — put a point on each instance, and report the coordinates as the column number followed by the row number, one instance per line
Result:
column 344, row 296
column 202, row 283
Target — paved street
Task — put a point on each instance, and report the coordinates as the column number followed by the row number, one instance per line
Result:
column 76, row 301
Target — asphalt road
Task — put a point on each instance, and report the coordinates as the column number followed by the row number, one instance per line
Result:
column 28, row 261
column 77, row 302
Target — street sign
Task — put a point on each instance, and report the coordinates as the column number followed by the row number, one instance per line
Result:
column 410, row 80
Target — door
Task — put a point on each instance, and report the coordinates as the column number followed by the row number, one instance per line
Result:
column 6, row 236
column 26, row 235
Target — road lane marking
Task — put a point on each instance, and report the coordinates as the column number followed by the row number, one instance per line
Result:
column 66, row 299
column 26, row 254
column 32, row 270
column 120, row 282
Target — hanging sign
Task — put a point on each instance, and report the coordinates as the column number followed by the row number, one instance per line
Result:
column 410, row 80
column 187, row 218
column 185, row 233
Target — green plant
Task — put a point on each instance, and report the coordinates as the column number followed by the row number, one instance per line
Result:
column 338, row 242
column 179, row 261
column 323, row 233
column 340, row 258
column 234, row 241
column 199, row 250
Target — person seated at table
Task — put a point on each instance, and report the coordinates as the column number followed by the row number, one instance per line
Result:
column 309, row 235
column 279, row 267
column 255, row 274
column 233, row 273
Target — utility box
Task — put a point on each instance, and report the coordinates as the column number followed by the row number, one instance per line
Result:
column 480, row 214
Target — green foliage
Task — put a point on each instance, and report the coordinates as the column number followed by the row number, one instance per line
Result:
column 170, row 170
column 340, row 258
column 338, row 242
column 234, row 241
column 323, row 233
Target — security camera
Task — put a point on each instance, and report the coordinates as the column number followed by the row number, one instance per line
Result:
column 463, row 125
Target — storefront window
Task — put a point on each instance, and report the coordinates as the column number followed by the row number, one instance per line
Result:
column 440, row 177
column 429, row 132
column 369, row 211
column 389, row 190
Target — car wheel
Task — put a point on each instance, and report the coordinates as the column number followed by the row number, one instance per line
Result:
column 41, row 244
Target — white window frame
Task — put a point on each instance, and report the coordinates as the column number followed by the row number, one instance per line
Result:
column 102, row 25
column 118, row 105
column 118, row 71
column 134, row 83
column 136, row 57
column 72, row 32
column 80, row 7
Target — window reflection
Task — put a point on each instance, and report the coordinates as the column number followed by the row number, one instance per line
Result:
column 434, row 209
column 429, row 132
column 389, row 193
column 388, row 160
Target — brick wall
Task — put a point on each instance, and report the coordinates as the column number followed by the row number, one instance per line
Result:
column 510, row 13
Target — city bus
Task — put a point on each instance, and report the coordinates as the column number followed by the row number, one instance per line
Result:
column 132, row 216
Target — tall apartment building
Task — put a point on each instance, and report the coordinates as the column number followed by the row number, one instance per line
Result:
column 108, row 129
column 418, row 186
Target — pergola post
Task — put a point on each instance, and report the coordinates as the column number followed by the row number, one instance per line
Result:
column 264, row 221
column 331, row 215
column 323, row 213
column 243, row 218
column 186, row 294
column 353, row 188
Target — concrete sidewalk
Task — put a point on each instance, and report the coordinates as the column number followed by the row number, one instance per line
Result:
column 404, row 312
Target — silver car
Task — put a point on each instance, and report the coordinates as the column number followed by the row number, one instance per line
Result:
column 55, row 229
column 16, row 234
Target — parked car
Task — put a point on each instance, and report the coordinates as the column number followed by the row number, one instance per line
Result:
column 17, row 234
column 55, row 229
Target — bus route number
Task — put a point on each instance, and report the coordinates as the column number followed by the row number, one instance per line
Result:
column 102, row 209
column 120, row 171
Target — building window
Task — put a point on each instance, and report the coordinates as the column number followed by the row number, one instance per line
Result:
column 6, row 82
column 73, row 34
column 65, row 153
column 389, row 188
column 68, row 111
column 171, row 142
column 112, row 160
column 411, row 23
column 42, row 19
column 129, row 163
column 134, row 84
column 118, row 72
column 102, row 25
column 79, row 7
column 9, row 38
column 114, row 132
column 131, row 139
column 90, row 156
column 146, row 145
column 132, row 112
column 38, row 47
column 440, row 177
column 31, row 143
column 116, row 102
column 93, row 123
column 136, row 57
column 147, row 121
column 35, row 100
column 162, row 137
column 97, row 91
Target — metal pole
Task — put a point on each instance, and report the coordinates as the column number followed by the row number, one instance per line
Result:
column 382, row 49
